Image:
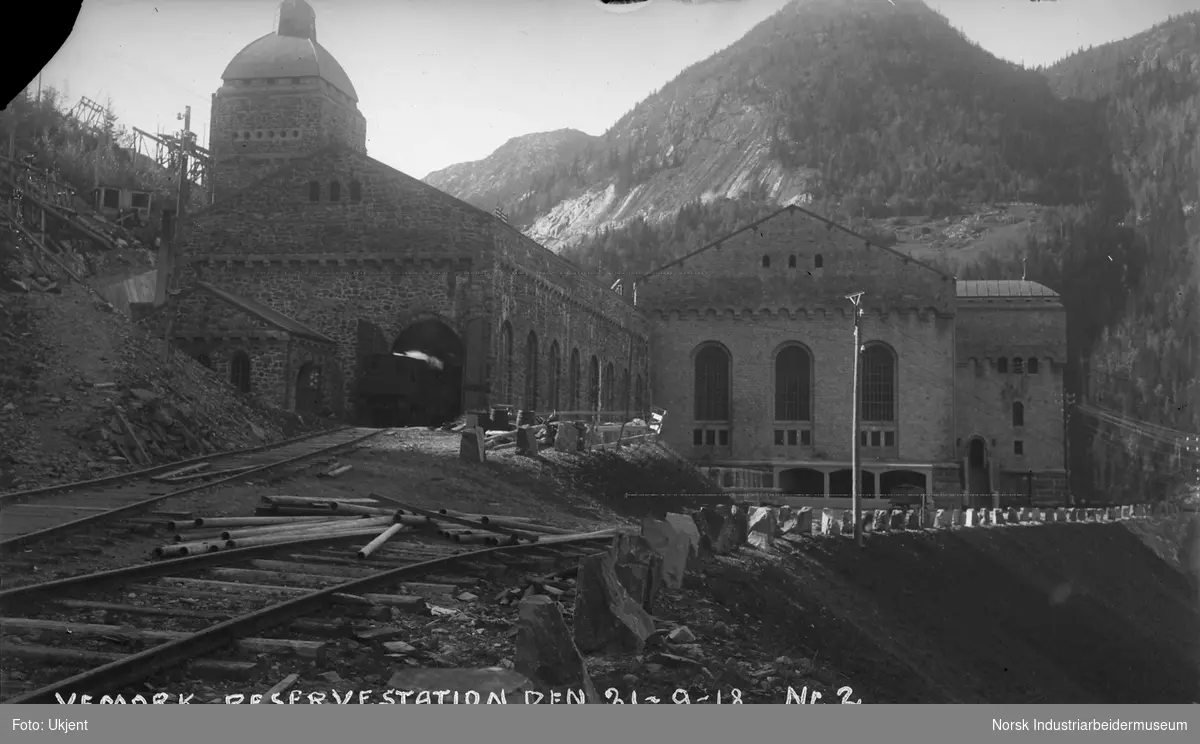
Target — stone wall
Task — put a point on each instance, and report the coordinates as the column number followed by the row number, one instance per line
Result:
column 985, row 396
column 403, row 251
column 268, row 363
column 811, row 264
column 256, row 127
column 332, row 299
column 536, row 290
column 923, row 343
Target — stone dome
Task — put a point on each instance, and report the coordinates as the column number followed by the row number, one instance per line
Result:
column 291, row 51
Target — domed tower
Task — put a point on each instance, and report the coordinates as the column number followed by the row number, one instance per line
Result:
column 283, row 97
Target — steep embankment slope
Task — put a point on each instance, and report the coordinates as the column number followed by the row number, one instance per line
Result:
column 1067, row 613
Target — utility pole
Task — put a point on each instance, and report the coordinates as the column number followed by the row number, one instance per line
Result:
column 855, row 505
column 168, row 252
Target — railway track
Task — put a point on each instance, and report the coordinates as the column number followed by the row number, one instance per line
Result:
column 44, row 517
column 242, row 618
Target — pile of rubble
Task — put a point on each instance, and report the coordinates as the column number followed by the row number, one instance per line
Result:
column 564, row 436
column 85, row 393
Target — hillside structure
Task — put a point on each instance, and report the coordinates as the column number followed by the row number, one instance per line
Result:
column 323, row 280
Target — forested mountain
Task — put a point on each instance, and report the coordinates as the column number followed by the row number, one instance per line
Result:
column 872, row 110
column 885, row 108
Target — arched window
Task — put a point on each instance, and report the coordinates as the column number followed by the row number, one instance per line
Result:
column 1017, row 364
column 1031, row 365
column 818, row 262
column 609, row 381
column 791, row 262
column 1018, row 414
column 555, row 376
column 766, row 262
column 239, row 372
column 574, row 375
column 314, row 191
column 879, row 383
column 506, row 363
column 793, row 384
column 531, row 372
column 712, row 382
column 594, row 383
column 623, row 392
column 1002, row 365
column 639, row 394
column 355, row 191
column 335, row 191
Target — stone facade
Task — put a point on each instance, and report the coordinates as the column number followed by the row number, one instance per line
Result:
column 998, row 338
column 784, row 282
column 392, row 251
column 259, row 126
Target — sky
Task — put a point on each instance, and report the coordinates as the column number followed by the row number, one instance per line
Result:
column 448, row 81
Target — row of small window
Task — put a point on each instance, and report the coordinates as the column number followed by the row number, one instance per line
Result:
column 335, row 191
column 818, row 261
column 246, row 135
column 274, row 81
column 1019, row 366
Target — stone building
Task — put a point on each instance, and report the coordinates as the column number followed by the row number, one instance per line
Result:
column 322, row 279
column 317, row 265
column 961, row 381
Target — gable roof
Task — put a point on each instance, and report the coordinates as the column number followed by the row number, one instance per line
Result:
column 1003, row 288
column 794, row 208
column 266, row 314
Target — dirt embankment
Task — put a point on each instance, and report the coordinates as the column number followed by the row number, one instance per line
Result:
column 1104, row 613
column 68, row 365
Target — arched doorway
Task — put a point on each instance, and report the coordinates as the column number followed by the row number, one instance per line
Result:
column 308, row 388
column 978, row 476
column 804, row 481
column 841, row 483
column 417, row 383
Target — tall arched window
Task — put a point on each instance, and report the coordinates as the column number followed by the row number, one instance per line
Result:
column 609, row 381
column 879, row 383
column 1002, row 365
column 594, row 383
column 1017, row 365
column 1031, row 365
column 335, row 191
column 712, row 383
column 793, row 384
column 574, row 375
column 506, row 363
column 623, row 392
column 555, row 376
column 239, row 371
column 531, row 372
column 1018, row 414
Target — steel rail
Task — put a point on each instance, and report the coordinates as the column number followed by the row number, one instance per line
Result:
column 6, row 499
column 136, row 667
column 19, row 541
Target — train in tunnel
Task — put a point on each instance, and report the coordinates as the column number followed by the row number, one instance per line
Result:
column 402, row 391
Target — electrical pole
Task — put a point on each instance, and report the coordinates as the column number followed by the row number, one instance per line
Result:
column 168, row 252
column 855, row 505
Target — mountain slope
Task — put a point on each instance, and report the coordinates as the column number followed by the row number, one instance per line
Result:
column 886, row 107
column 516, row 167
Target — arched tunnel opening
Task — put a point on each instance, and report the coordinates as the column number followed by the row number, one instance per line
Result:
column 418, row 382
